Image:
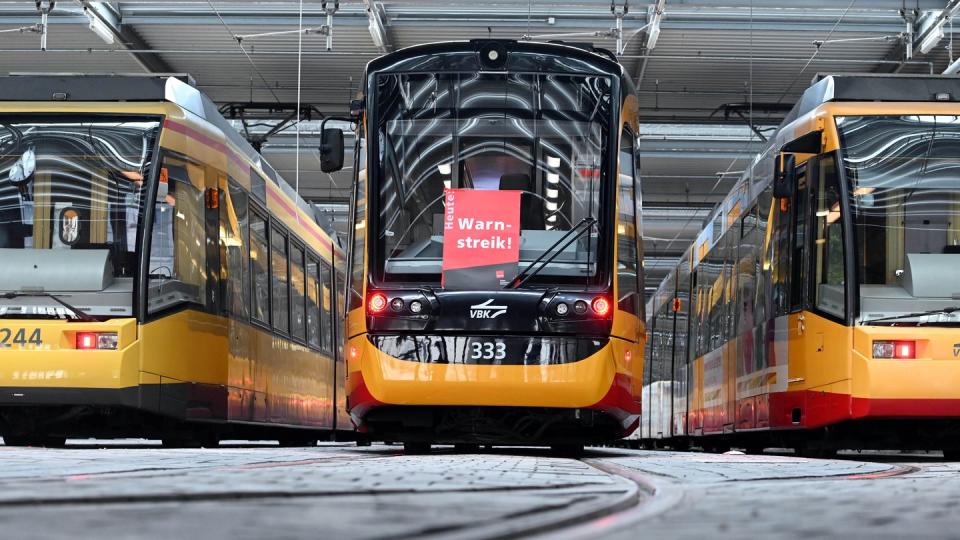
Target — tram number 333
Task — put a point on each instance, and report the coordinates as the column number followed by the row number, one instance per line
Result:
column 19, row 337
column 487, row 350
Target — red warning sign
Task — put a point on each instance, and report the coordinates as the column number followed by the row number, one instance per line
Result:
column 481, row 238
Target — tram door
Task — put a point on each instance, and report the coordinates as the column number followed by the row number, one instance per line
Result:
column 797, row 276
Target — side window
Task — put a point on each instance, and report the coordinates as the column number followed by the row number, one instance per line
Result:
column 178, row 257
column 338, row 328
column 280, row 313
column 828, row 243
column 797, row 268
column 326, row 307
column 627, row 261
column 260, row 268
column 313, row 302
column 359, row 230
column 234, row 243
column 298, row 290
column 780, row 257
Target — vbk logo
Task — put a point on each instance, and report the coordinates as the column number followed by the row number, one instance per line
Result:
column 956, row 350
column 486, row 310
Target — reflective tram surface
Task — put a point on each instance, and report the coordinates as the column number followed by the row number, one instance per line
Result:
column 818, row 307
column 494, row 289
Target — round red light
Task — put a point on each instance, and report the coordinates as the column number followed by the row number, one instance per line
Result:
column 377, row 303
column 601, row 306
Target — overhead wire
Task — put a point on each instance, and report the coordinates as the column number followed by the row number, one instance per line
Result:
column 296, row 186
column 242, row 49
column 816, row 52
column 746, row 150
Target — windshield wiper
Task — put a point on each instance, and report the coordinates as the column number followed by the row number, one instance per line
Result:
column 79, row 314
column 918, row 314
column 574, row 234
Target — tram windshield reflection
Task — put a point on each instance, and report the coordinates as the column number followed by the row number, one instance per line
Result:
column 74, row 184
column 541, row 134
column 903, row 174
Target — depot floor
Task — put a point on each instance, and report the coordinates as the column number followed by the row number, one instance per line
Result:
column 135, row 489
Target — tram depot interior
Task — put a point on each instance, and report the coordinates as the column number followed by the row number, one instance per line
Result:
column 713, row 80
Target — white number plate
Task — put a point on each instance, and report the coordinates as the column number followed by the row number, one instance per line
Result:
column 488, row 350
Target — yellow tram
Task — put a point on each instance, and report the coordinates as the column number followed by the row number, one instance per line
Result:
column 157, row 277
column 457, row 339
column 818, row 307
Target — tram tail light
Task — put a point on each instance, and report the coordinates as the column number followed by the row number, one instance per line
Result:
column 97, row 340
column 377, row 303
column 601, row 306
column 900, row 349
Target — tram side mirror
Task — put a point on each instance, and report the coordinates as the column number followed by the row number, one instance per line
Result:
column 331, row 150
column 785, row 175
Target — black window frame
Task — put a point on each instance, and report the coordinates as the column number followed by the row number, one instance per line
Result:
column 276, row 226
column 261, row 213
column 294, row 243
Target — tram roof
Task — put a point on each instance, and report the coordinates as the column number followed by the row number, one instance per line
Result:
column 832, row 87
column 175, row 88
column 598, row 59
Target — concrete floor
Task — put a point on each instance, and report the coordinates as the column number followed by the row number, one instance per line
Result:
column 133, row 489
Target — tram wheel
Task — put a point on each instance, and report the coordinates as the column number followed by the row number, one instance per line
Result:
column 567, row 450
column 190, row 442
column 467, row 447
column 46, row 442
column 363, row 441
column 416, row 448
column 291, row 442
column 815, row 452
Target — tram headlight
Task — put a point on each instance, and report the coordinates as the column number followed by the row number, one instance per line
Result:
column 562, row 309
column 416, row 306
column 580, row 307
column 396, row 304
column 900, row 349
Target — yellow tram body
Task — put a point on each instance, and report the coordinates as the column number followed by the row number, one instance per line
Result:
column 447, row 396
column 827, row 355
column 186, row 364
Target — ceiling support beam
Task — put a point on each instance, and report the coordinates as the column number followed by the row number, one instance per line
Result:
column 126, row 37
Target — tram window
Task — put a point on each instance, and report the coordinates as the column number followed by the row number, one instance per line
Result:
column 178, row 266
column 297, row 293
column 334, row 314
column 326, row 307
column 828, row 242
column 780, row 257
column 359, row 232
column 798, row 266
column 258, row 186
column 313, row 302
column 627, row 263
column 76, row 182
column 234, row 243
column 259, row 263
column 548, row 138
column 280, row 312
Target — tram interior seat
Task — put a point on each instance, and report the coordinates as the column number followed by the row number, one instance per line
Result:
column 928, row 282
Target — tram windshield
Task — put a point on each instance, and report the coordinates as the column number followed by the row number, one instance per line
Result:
column 904, row 184
column 71, row 183
column 544, row 135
